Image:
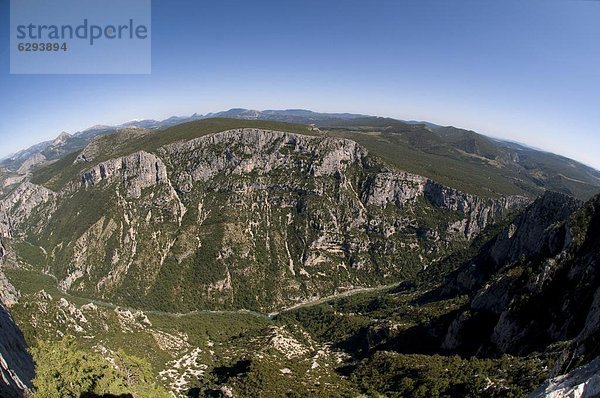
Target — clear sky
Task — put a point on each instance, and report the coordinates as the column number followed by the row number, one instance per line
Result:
column 522, row 70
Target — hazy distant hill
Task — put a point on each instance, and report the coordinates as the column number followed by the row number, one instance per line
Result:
column 470, row 161
column 458, row 158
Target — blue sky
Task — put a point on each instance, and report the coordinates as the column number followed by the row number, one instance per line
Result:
column 522, row 70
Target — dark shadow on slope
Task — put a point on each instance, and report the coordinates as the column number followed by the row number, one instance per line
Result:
column 224, row 373
column 425, row 338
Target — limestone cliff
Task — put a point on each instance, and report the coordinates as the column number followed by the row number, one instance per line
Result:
column 244, row 218
column 16, row 365
column 534, row 284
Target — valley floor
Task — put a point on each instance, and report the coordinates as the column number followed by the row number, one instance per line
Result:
column 378, row 342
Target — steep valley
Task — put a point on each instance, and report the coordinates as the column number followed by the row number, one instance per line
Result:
column 209, row 222
column 208, row 249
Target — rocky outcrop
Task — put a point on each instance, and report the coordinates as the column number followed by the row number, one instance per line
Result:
column 260, row 151
column 529, row 235
column 17, row 207
column 8, row 294
column 583, row 382
column 30, row 162
column 399, row 188
column 102, row 145
column 534, row 284
column 61, row 139
column 8, row 181
column 285, row 215
column 479, row 213
column 16, row 364
column 137, row 171
column 5, row 227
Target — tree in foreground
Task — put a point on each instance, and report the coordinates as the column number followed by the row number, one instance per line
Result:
column 63, row 370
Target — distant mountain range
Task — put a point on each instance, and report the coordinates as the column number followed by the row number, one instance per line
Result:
column 301, row 116
column 459, row 158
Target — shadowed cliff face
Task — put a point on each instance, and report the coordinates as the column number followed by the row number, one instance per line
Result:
column 530, row 235
column 243, row 219
column 535, row 283
column 16, row 365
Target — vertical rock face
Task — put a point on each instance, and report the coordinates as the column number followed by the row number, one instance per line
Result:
column 479, row 213
column 137, row 171
column 529, row 235
column 17, row 207
column 535, row 283
column 399, row 188
column 8, row 293
column 5, row 226
column 245, row 219
column 16, row 364
column 238, row 152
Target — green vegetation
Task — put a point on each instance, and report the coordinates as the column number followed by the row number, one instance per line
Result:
column 399, row 319
column 195, row 129
column 432, row 376
column 469, row 161
column 56, row 175
column 447, row 166
column 457, row 158
column 195, row 274
column 393, row 336
column 584, row 220
column 262, row 378
column 29, row 254
column 64, row 370
column 382, row 333
column 30, row 281
column 245, row 243
column 437, row 273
